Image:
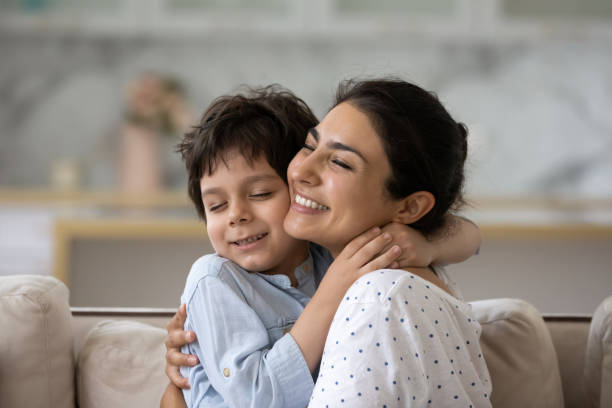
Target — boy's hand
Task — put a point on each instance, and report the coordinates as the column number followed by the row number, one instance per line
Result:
column 362, row 255
column 368, row 252
column 417, row 251
column 177, row 338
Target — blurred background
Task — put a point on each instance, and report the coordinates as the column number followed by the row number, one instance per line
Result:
column 94, row 95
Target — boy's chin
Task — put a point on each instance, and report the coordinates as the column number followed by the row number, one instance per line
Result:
column 254, row 266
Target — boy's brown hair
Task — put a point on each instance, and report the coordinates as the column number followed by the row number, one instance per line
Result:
column 271, row 121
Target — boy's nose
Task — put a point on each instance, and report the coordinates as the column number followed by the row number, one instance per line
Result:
column 239, row 215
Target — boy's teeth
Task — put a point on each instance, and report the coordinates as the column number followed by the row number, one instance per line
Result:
column 309, row 203
column 250, row 239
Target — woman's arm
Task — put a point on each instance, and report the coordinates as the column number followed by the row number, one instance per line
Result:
column 172, row 398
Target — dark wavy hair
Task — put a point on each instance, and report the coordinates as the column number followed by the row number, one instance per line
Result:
column 426, row 148
column 269, row 121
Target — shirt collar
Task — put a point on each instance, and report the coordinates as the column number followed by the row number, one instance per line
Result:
column 303, row 274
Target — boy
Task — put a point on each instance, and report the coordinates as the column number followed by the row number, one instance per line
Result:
column 242, row 301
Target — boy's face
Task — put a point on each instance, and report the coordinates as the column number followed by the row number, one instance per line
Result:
column 245, row 208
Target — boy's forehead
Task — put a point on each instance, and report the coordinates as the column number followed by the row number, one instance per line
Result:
column 235, row 168
column 233, row 160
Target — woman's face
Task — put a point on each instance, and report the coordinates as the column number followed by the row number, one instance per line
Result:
column 337, row 181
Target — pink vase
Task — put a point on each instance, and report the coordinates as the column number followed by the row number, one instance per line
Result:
column 140, row 160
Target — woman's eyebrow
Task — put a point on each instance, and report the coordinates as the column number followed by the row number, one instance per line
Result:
column 337, row 145
column 342, row 146
column 314, row 133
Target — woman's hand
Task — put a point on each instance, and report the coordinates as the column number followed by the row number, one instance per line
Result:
column 417, row 251
column 177, row 338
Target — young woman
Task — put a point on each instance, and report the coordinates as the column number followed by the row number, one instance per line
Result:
column 387, row 152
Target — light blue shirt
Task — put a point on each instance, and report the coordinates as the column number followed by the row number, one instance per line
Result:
column 241, row 320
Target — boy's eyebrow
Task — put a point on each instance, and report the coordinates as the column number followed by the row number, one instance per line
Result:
column 338, row 145
column 250, row 179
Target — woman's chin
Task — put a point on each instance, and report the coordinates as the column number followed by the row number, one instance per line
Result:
column 296, row 228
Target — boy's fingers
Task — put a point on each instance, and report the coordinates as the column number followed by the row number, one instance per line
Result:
column 357, row 243
column 371, row 249
column 385, row 260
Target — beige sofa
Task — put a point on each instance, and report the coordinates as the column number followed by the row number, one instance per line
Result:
column 55, row 356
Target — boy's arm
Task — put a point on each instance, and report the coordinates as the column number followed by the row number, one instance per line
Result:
column 362, row 255
column 236, row 360
column 457, row 240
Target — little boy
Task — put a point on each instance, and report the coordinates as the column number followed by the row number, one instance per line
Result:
column 242, row 301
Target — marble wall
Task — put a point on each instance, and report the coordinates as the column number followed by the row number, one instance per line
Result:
column 538, row 110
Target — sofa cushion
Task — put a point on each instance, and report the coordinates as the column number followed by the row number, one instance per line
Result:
column 519, row 353
column 121, row 364
column 36, row 363
column 598, row 360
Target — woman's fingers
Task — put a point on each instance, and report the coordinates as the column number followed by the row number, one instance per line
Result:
column 359, row 241
column 177, row 338
column 176, row 358
column 178, row 320
column 385, row 260
column 174, row 375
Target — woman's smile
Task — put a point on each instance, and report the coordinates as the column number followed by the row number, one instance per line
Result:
column 303, row 203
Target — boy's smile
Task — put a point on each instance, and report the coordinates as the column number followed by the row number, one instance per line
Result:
column 245, row 206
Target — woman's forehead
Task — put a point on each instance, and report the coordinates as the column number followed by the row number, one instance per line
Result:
column 347, row 126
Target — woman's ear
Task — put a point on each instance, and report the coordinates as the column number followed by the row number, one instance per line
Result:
column 414, row 207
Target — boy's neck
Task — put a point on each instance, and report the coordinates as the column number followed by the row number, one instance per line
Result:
column 291, row 262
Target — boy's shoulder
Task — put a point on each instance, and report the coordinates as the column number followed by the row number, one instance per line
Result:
column 210, row 266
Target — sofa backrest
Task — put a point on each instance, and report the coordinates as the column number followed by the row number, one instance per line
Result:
column 519, row 353
column 528, row 367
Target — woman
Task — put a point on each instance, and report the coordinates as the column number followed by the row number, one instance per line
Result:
column 388, row 151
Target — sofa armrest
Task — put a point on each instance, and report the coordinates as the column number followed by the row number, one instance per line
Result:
column 598, row 361
column 36, row 363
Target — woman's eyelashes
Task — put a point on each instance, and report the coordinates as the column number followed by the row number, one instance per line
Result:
column 342, row 164
column 308, row 147
column 336, row 161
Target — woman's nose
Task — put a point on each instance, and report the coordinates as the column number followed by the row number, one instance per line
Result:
column 304, row 169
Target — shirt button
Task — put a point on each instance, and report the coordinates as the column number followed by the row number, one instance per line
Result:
column 226, row 372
